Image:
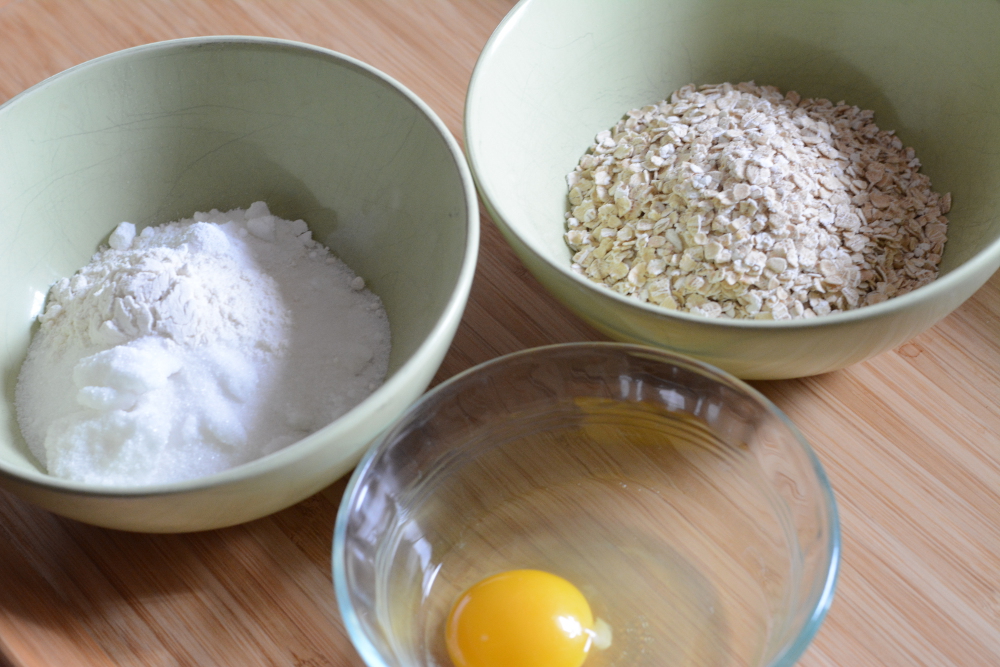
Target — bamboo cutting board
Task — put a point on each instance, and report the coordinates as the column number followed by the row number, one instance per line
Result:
column 911, row 439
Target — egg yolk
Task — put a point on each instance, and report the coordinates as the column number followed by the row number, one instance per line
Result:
column 520, row 618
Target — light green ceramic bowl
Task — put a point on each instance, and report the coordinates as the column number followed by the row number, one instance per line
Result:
column 155, row 133
column 556, row 72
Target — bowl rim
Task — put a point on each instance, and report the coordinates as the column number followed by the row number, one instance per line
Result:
column 983, row 262
column 438, row 337
column 786, row 657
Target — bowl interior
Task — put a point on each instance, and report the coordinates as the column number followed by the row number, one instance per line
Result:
column 688, row 511
column 559, row 71
column 156, row 133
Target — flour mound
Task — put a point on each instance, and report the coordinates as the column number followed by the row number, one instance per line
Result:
column 196, row 346
column 187, row 283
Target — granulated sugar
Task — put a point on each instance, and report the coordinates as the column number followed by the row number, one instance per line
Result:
column 196, row 346
column 740, row 202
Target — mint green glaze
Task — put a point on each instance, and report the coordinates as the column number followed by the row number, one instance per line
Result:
column 155, row 133
column 558, row 71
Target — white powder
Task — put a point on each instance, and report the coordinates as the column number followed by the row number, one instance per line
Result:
column 197, row 346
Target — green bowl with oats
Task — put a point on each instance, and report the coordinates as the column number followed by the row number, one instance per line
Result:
column 557, row 72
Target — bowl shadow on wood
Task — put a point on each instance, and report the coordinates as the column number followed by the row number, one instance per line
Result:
column 67, row 577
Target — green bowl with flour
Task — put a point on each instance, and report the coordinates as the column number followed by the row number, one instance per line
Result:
column 557, row 72
column 153, row 134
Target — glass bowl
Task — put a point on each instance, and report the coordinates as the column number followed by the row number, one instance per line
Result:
column 684, row 505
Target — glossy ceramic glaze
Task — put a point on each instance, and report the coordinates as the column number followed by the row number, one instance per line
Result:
column 556, row 72
column 155, row 133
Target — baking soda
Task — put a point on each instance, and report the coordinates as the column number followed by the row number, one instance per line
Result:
column 196, row 346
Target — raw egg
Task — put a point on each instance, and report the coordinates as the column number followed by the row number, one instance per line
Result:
column 521, row 618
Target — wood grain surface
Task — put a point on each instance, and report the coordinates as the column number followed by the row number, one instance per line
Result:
column 911, row 439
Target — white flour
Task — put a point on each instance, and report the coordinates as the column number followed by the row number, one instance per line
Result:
column 196, row 346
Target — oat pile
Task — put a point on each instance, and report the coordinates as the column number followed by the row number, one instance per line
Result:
column 736, row 201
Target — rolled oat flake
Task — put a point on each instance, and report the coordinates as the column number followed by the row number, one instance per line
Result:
column 736, row 201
